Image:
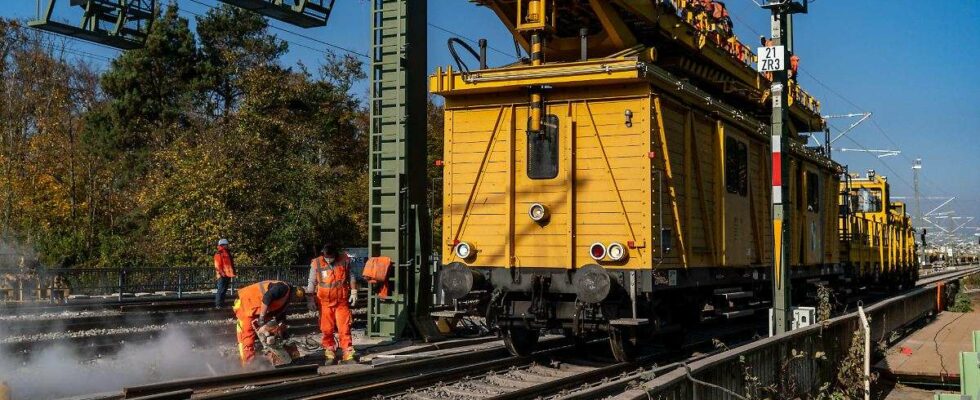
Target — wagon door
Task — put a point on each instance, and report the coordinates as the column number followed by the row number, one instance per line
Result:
column 541, row 233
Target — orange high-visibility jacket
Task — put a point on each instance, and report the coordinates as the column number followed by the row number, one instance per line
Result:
column 332, row 280
column 223, row 263
column 250, row 299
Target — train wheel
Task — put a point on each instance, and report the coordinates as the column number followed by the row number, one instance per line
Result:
column 622, row 341
column 520, row 341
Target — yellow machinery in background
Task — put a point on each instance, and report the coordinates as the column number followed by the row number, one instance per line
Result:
column 877, row 237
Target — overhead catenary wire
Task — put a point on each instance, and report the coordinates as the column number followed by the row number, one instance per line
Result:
column 888, row 167
column 847, row 100
column 471, row 40
column 72, row 38
column 875, row 124
column 291, row 43
column 52, row 49
column 78, row 53
column 307, row 37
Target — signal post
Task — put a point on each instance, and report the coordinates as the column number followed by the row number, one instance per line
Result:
column 773, row 59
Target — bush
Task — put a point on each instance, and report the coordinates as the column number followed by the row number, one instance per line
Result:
column 962, row 303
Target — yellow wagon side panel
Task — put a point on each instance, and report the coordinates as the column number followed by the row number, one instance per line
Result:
column 673, row 163
column 612, row 177
column 761, row 196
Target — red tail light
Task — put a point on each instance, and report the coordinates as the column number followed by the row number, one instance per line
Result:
column 597, row 251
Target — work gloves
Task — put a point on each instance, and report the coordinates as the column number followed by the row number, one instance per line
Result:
column 353, row 297
column 311, row 305
column 261, row 321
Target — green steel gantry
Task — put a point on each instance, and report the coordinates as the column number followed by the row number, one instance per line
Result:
column 118, row 23
column 398, row 213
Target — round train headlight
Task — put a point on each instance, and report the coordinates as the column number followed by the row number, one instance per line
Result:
column 464, row 250
column 597, row 251
column 616, row 251
column 538, row 212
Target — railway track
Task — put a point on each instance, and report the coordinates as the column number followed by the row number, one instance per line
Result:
column 487, row 373
column 936, row 277
column 272, row 385
column 551, row 373
column 105, row 332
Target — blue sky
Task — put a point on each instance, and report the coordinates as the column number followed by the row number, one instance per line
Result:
column 912, row 63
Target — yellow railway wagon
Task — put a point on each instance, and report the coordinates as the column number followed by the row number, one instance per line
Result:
column 632, row 189
column 877, row 237
column 675, row 183
column 618, row 179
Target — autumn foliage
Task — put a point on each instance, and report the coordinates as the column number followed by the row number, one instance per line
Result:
column 197, row 136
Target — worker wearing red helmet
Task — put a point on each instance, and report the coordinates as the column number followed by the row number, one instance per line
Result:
column 257, row 304
column 336, row 292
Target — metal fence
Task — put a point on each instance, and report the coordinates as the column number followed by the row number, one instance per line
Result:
column 766, row 359
column 47, row 283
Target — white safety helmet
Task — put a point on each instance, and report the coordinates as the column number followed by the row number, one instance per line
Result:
column 222, row 242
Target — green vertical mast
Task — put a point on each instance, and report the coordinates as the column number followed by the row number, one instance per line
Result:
column 399, row 226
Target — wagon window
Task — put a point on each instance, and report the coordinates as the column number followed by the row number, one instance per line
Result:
column 866, row 200
column 812, row 192
column 542, row 149
column 736, row 167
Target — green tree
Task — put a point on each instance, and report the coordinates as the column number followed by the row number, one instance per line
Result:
column 435, row 129
column 138, row 170
column 154, row 87
column 233, row 41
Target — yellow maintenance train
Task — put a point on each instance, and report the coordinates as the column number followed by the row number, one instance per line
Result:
column 618, row 179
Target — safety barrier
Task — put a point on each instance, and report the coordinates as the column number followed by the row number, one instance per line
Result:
column 766, row 359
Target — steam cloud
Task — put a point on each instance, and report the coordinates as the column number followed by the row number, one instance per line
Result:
column 57, row 372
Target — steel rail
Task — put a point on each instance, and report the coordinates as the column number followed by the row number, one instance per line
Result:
column 26, row 326
column 537, row 391
column 107, row 343
column 224, row 381
column 22, row 327
column 389, row 378
column 621, row 383
column 932, row 278
column 887, row 316
column 362, row 383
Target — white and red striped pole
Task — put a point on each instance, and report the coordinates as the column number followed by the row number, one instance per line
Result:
column 782, row 35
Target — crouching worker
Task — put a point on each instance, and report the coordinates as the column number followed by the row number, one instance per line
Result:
column 336, row 291
column 258, row 304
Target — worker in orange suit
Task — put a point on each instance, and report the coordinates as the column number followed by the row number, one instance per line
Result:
column 224, row 270
column 257, row 304
column 336, row 292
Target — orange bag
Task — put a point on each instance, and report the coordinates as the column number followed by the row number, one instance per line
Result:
column 376, row 272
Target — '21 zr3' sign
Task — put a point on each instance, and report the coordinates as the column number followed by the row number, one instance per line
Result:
column 772, row 59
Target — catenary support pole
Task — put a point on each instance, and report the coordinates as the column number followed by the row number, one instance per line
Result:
column 916, row 166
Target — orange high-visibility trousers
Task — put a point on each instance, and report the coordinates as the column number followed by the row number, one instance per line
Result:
column 246, row 334
column 335, row 318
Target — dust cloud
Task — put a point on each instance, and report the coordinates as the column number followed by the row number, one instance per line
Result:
column 58, row 372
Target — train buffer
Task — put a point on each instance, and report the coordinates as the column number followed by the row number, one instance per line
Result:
column 942, row 354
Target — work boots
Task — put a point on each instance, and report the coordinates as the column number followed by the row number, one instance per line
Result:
column 330, row 356
column 349, row 356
